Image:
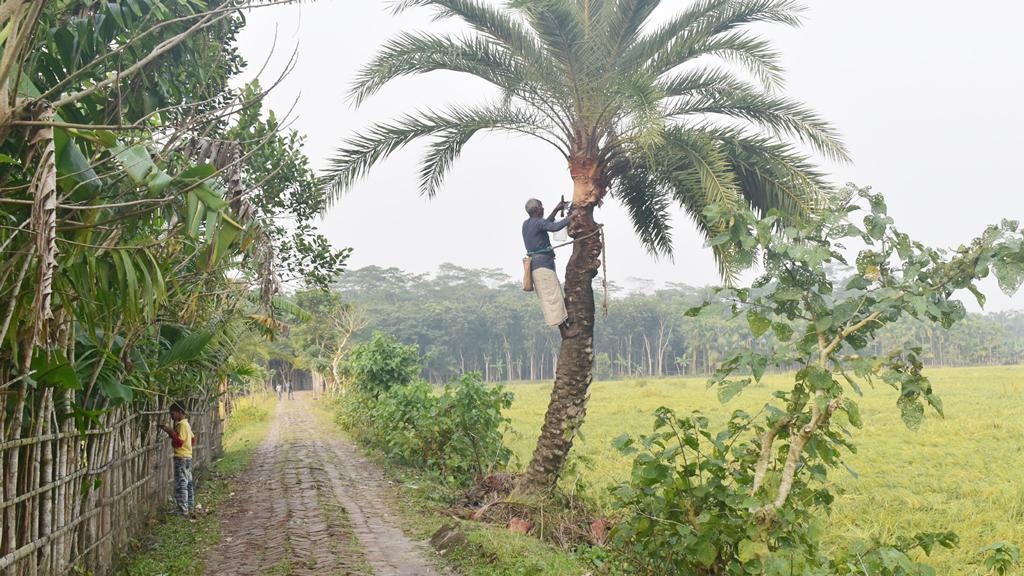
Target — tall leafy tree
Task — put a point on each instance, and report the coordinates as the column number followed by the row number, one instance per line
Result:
column 684, row 112
column 137, row 198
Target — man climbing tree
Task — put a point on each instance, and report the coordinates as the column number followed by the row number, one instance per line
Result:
column 685, row 111
column 540, row 262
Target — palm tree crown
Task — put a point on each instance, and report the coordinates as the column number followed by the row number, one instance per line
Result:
column 684, row 111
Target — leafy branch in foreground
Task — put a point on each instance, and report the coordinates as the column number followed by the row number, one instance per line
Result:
column 742, row 500
column 1001, row 557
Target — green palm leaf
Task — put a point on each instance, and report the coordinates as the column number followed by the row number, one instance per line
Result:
column 410, row 54
column 363, row 151
column 648, row 205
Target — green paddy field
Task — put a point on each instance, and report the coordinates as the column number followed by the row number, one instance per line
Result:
column 963, row 473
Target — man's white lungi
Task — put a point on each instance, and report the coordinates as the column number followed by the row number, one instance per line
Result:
column 549, row 290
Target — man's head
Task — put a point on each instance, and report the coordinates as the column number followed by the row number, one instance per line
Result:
column 177, row 412
column 534, row 208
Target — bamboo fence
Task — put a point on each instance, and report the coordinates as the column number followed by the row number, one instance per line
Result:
column 73, row 500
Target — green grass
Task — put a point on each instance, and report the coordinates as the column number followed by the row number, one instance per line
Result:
column 491, row 550
column 961, row 473
column 494, row 551
column 178, row 547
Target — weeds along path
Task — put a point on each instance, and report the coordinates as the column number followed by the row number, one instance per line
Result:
column 310, row 505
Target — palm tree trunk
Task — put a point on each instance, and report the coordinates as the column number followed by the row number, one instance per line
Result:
column 568, row 405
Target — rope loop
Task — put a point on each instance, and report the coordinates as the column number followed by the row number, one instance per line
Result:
column 604, row 261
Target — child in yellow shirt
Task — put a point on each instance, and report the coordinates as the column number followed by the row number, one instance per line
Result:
column 182, row 440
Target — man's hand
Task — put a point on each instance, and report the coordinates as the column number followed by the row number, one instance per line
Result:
column 166, row 428
column 558, row 208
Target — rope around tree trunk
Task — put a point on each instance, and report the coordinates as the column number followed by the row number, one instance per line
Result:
column 604, row 263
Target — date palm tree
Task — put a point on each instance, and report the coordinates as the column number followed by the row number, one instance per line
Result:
column 657, row 112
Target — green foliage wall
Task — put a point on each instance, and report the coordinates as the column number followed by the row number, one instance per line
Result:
column 454, row 432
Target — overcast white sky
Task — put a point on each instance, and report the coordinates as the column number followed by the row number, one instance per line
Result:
column 927, row 95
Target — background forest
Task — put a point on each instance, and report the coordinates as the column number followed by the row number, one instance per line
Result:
column 473, row 320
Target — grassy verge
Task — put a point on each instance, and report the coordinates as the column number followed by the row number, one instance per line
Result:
column 422, row 503
column 176, row 546
column 490, row 550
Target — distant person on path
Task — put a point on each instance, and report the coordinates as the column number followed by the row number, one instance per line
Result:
column 542, row 264
column 182, row 440
column 290, row 395
column 278, row 389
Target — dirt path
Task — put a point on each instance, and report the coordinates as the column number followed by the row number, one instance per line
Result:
column 311, row 505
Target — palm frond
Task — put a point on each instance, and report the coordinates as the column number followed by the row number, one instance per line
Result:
column 729, row 267
column 419, row 53
column 700, row 166
column 440, row 157
column 563, row 36
column 558, row 26
column 623, row 20
column 780, row 115
column 648, row 205
column 710, row 163
column 773, row 175
column 354, row 159
column 529, row 72
column 701, row 22
column 687, row 189
column 700, row 81
column 499, row 25
column 640, row 95
column 650, row 44
column 360, row 152
column 748, row 52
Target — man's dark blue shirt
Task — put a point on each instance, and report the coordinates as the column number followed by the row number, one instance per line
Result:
column 538, row 245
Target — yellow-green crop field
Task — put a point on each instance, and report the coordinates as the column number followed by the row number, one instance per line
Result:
column 963, row 473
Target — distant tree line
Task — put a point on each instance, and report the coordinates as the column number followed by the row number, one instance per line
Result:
column 467, row 320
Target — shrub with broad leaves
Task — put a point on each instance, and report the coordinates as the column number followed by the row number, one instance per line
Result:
column 1001, row 557
column 749, row 498
column 381, row 364
column 455, row 432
